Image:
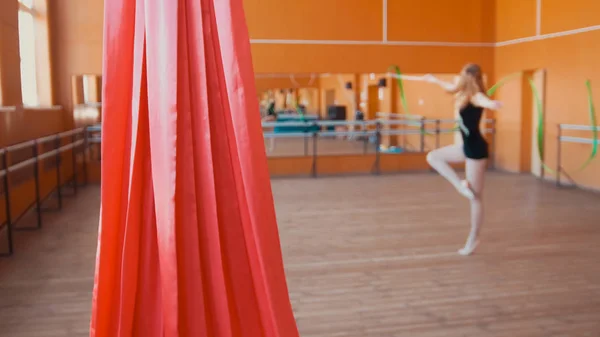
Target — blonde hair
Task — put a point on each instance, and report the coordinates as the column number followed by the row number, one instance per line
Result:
column 469, row 84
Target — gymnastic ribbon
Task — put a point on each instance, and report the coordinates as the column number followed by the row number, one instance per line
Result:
column 188, row 243
column 593, row 121
column 540, row 118
column 299, row 110
column 539, row 112
column 540, row 124
column 492, row 90
column 403, row 100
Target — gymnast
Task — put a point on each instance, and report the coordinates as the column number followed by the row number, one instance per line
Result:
column 470, row 100
column 271, row 113
column 270, row 117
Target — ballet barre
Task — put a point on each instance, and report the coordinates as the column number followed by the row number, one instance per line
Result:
column 578, row 127
column 399, row 115
column 316, row 123
column 369, row 131
column 94, row 128
column 287, row 135
column 78, row 145
column 561, row 138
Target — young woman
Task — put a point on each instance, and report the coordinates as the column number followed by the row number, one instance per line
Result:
column 271, row 117
column 470, row 101
column 271, row 113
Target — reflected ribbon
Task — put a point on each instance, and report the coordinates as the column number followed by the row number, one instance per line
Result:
column 403, row 100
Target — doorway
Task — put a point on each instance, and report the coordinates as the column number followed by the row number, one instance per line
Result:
column 329, row 97
column 530, row 160
column 328, row 100
column 539, row 80
column 373, row 102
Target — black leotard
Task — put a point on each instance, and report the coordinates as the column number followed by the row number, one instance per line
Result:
column 474, row 145
column 271, row 110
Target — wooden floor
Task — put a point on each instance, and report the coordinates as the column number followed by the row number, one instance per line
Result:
column 368, row 257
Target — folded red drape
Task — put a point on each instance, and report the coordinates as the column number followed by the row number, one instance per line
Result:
column 188, row 242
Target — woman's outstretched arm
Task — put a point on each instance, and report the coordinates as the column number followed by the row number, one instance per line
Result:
column 447, row 86
column 483, row 101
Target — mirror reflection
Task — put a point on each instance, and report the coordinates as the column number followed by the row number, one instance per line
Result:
column 355, row 113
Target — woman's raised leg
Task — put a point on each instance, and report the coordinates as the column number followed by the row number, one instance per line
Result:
column 440, row 159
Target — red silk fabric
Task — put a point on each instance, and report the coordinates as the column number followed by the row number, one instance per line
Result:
column 188, row 242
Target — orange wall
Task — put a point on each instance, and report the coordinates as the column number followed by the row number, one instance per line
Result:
column 569, row 61
column 445, row 20
column 287, row 58
column 362, row 20
column 283, row 81
column 343, row 96
column 10, row 75
column 76, row 43
column 21, row 125
column 515, row 19
column 76, row 37
column 297, row 33
column 314, row 19
column 558, row 15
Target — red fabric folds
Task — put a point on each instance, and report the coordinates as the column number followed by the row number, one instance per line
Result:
column 188, row 242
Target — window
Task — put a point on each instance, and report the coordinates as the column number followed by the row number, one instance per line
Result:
column 29, row 88
column 86, row 89
column 27, row 3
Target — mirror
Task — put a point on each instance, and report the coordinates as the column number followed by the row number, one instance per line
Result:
column 340, row 101
column 87, row 99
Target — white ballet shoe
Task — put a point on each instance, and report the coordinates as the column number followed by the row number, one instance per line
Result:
column 466, row 190
column 468, row 250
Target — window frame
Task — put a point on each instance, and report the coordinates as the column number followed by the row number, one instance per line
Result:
column 26, row 61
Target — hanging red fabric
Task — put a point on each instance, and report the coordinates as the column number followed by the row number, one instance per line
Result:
column 188, row 242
